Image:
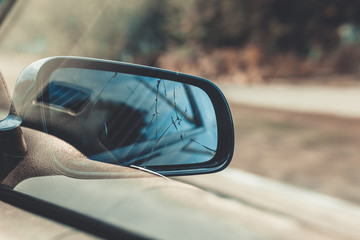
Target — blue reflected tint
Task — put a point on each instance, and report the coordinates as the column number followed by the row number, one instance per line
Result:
column 138, row 120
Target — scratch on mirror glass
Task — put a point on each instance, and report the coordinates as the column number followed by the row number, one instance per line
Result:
column 210, row 149
column 177, row 117
column 106, row 129
column 156, row 112
column 132, row 92
column 165, row 131
column 160, row 89
column 164, row 88
column 174, row 123
column 105, row 85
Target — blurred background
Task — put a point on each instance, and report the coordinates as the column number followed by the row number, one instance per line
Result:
column 290, row 70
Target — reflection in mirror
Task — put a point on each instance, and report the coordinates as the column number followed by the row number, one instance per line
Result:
column 137, row 120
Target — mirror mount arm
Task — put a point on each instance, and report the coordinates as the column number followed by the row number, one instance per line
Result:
column 12, row 142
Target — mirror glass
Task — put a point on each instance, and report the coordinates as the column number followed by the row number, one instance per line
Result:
column 132, row 119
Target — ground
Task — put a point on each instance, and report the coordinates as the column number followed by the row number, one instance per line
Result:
column 317, row 152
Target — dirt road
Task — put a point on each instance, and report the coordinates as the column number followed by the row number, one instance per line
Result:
column 312, row 146
column 334, row 100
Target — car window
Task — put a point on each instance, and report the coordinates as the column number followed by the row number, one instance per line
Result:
column 138, row 34
column 288, row 69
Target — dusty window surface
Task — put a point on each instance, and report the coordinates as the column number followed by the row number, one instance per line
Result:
column 290, row 70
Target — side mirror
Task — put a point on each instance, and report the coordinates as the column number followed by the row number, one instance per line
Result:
column 127, row 114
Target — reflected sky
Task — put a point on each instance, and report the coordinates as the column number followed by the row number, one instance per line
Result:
column 140, row 120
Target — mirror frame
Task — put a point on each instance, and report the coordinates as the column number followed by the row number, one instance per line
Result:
column 40, row 72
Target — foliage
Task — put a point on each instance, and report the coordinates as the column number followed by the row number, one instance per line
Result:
column 142, row 31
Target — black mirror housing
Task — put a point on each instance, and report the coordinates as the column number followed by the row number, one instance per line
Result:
column 127, row 114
